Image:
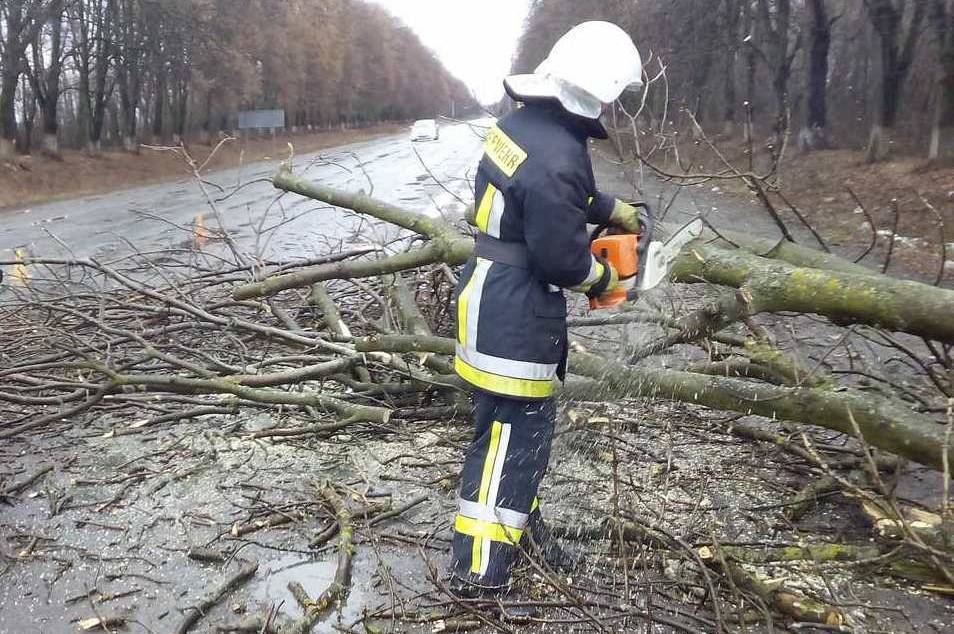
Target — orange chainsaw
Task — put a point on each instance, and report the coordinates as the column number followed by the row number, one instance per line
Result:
column 641, row 264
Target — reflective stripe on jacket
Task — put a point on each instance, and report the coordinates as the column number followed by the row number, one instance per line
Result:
column 534, row 188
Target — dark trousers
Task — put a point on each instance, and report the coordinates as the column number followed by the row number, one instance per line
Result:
column 498, row 493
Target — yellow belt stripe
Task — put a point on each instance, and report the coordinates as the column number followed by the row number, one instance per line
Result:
column 487, row 530
column 535, row 505
column 486, row 205
column 498, row 384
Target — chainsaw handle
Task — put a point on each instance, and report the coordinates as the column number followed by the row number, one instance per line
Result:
column 648, row 225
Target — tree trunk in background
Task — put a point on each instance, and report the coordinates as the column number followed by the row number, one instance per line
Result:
column 159, row 105
column 91, row 31
column 46, row 81
column 207, row 120
column 98, row 122
column 777, row 33
column 24, row 143
column 750, row 28
column 9, row 77
column 942, row 136
column 80, row 24
column 22, row 20
column 180, row 109
column 897, row 53
column 129, row 102
column 815, row 133
column 130, row 29
column 942, row 131
column 10, row 65
column 731, row 16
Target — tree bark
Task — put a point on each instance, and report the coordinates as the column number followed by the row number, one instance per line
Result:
column 898, row 45
column 100, row 98
column 23, row 21
column 942, row 131
column 46, row 81
column 731, row 17
column 129, row 24
column 815, row 135
column 767, row 276
column 771, row 286
column 777, row 32
column 788, row 278
column 888, row 425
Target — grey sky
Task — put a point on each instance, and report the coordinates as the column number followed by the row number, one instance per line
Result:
column 475, row 40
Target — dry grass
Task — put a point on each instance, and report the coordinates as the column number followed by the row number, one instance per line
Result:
column 818, row 184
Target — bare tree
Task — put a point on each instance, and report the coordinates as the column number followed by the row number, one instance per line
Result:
column 91, row 26
column 815, row 134
column 131, row 36
column 942, row 132
column 898, row 24
column 22, row 20
column 44, row 74
column 782, row 40
column 731, row 17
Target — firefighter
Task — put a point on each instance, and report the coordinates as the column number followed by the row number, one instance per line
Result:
column 535, row 194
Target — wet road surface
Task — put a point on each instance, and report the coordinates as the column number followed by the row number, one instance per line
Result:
column 427, row 176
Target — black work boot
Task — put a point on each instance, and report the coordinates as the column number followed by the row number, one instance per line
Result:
column 539, row 540
column 492, row 600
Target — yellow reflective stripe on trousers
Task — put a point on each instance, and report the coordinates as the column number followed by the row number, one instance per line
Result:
column 489, row 462
column 486, row 205
column 489, row 480
column 487, row 530
column 504, row 385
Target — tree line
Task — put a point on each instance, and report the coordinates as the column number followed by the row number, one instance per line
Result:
column 873, row 73
column 88, row 73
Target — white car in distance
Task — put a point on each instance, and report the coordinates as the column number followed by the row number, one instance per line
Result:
column 425, row 130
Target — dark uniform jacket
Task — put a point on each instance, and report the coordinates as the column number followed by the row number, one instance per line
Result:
column 535, row 193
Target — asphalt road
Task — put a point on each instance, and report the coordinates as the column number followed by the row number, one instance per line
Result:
column 424, row 175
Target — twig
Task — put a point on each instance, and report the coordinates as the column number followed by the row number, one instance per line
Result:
column 214, row 595
column 941, row 237
column 338, row 588
column 398, row 511
column 894, row 233
column 871, row 223
column 16, row 487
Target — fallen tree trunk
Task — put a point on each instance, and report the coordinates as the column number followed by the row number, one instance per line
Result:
column 753, row 377
column 768, row 277
column 885, row 424
column 446, row 243
column 845, row 297
column 798, row 280
column 888, row 425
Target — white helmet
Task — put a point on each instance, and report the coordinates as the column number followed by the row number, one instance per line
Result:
column 591, row 65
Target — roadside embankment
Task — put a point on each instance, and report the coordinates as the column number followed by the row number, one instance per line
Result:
column 38, row 178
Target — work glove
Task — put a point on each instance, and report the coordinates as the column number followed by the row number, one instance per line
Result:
column 631, row 219
column 607, row 283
